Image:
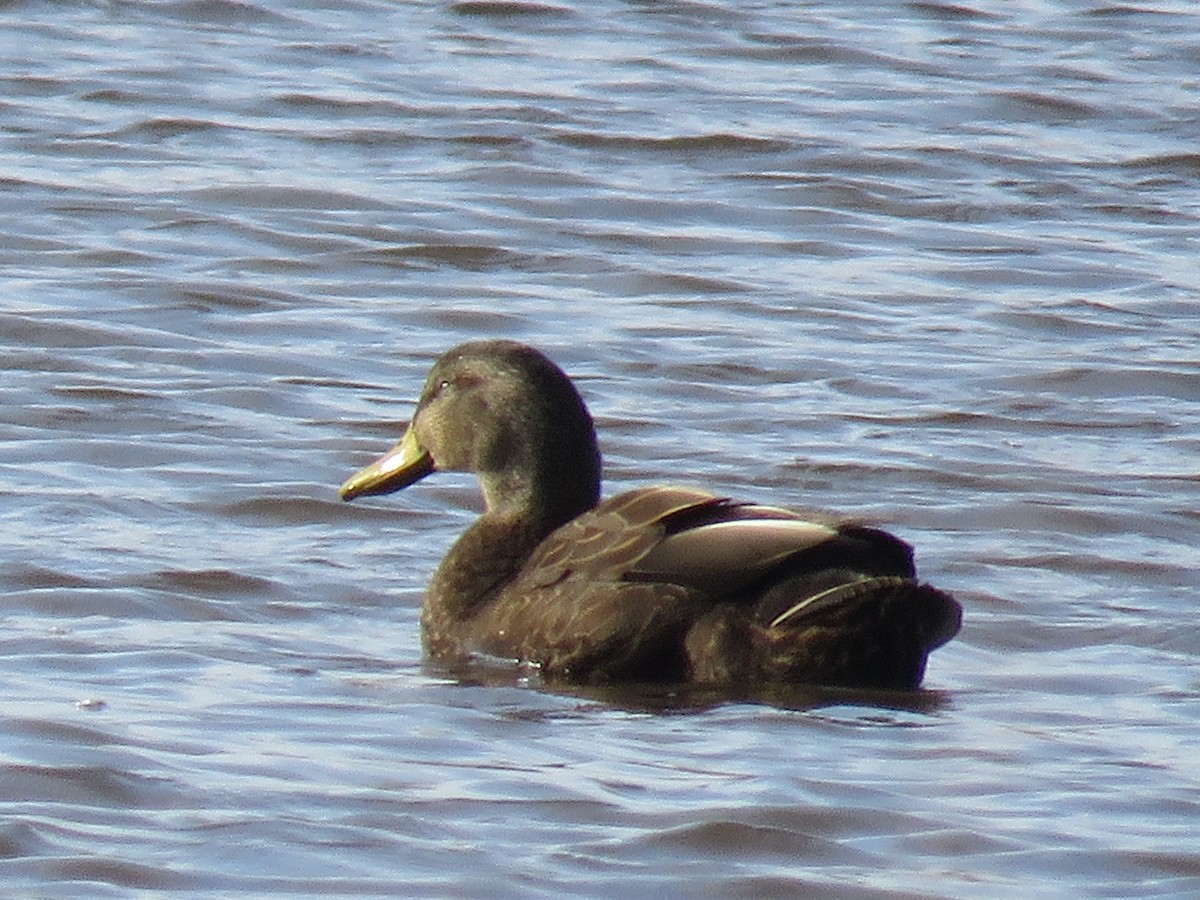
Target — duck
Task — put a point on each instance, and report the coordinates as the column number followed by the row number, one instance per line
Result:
column 660, row 584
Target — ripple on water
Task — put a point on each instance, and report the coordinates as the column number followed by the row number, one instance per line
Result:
column 927, row 264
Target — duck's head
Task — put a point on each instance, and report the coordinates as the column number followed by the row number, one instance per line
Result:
column 505, row 412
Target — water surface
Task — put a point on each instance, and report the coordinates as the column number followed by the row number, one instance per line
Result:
column 929, row 264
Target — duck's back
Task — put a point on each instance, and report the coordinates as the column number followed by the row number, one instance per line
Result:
column 675, row 584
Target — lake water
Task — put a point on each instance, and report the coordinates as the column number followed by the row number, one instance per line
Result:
column 930, row 264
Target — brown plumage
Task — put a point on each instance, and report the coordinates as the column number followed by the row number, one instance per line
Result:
column 657, row 584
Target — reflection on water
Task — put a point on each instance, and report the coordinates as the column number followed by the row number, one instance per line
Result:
column 925, row 264
column 666, row 699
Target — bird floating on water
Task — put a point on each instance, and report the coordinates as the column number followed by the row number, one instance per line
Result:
column 659, row 584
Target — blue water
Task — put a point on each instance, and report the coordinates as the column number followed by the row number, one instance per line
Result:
column 927, row 264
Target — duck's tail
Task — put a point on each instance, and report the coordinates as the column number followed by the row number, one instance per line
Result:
column 869, row 631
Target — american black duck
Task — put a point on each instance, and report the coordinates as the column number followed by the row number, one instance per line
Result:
column 656, row 584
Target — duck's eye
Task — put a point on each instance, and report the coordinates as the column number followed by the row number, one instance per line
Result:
column 438, row 387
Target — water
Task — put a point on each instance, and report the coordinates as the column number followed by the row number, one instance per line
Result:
column 929, row 264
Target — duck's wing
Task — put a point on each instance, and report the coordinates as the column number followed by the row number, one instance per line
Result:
column 693, row 538
column 739, row 546
column 730, row 549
